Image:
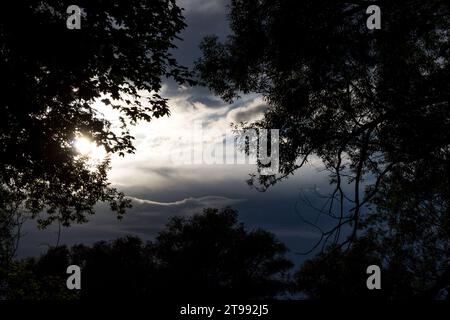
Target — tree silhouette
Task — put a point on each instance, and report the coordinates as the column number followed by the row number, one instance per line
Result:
column 340, row 274
column 211, row 255
column 208, row 256
column 367, row 102
column 407, row 233
column 50, row 78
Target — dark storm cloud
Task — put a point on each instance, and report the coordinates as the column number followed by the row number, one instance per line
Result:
column 164, row 172
column 276, row 210
column 168, row 190
column 248, row 115
column 145, row 219
column 203, row 17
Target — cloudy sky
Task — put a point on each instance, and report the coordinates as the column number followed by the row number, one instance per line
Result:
column 161, row 186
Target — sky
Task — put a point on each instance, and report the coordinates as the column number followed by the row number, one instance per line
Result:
column 161, row 186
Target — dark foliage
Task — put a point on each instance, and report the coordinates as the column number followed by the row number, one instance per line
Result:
column 50, row 78
column 369, row 103
column 209, row 256
column 407, row 233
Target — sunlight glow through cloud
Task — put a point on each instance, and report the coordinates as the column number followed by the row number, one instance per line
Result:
column 90, row 149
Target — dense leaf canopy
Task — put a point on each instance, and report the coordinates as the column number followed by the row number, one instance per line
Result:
column 367, row 102
column 208, row 256
column 51, row 78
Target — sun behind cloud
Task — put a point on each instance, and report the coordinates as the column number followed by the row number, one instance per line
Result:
column 88, row 148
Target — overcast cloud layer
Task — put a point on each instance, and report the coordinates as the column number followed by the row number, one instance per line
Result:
column 161, row 188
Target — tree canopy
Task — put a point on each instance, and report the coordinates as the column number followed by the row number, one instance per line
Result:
column 206, row 256
column 369, row 103
column 52, row 76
